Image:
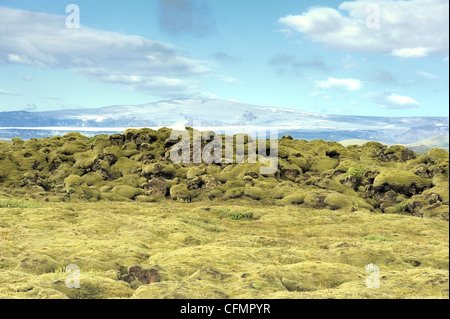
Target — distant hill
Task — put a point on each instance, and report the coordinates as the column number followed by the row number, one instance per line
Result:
column 221, row 114
column 418, row 147
column 425, row 145
column 353, row 142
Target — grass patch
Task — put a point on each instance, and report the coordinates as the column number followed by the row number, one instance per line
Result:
column 358, row 172
column 10, row 203
column 237, row 215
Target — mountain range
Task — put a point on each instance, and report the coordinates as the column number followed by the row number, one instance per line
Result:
column 222, row 115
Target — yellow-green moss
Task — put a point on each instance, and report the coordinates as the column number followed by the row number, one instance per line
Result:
column 400, row 180
column 127, row 191
column 295, row 199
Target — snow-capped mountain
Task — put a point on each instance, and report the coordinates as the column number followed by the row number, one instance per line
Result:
column 221, row 114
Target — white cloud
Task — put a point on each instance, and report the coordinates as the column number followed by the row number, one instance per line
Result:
column 393, row 101
column 415, row 28
column 348, row 84
column 4, row 92
column 141, row 64
column 427, row 76
column 19, row 59
column 420, row 52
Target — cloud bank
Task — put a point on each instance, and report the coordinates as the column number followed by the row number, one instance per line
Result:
column 137, row 63
column 408, row 29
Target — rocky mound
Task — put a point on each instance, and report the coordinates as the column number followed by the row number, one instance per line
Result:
column 136, row 166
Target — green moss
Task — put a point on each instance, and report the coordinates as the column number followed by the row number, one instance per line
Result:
column 442, row 190
column 315, row 174
column 345, row 166
column 287, row 252
column 130, row 146
column 37, row 264
column 300, row 162
column 58, row 176
column 85, row 160
column 181, row 192
column 93, row 178
column 294, row 199
column 381, row 255
column 73, row 147
column 337, row 201
column 437, row 155
column 127, row 166
column 195, row 171
column 17, row 141
column 335, row 186
column 26, row 160
column 132, row 180
column 323, row 164
column 7, row 168
column 400, row 181
column 96, row 287
column 104, row 169
column 74, row 136
column 281, row 190
column 98, row 138
column 372, row 145
column 172, row 170
column 127, row 191
column 255, row 193
column 73, row 181
column 233, row 193
column 315, row 199
column 32, row 145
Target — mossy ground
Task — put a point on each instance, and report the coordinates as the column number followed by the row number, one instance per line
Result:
column 137, row 166
column 140, row 226
column 199, row 251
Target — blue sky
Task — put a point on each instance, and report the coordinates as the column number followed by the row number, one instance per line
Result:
column 331, row 57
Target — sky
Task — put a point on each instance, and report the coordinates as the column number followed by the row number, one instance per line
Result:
column 372, row 58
